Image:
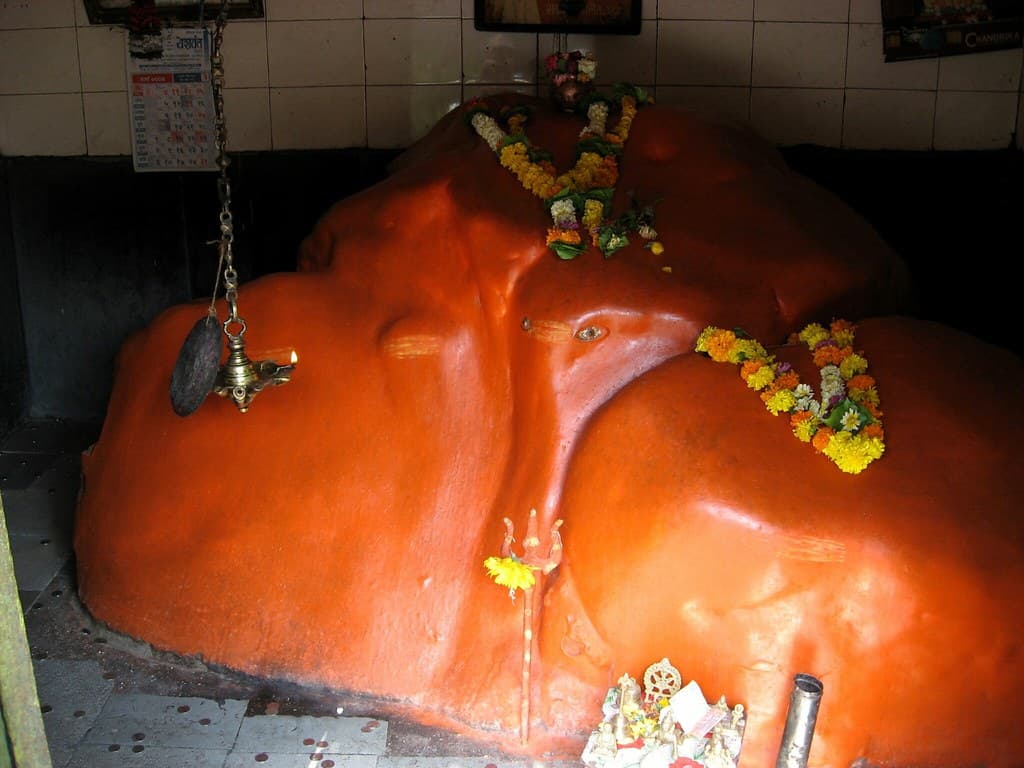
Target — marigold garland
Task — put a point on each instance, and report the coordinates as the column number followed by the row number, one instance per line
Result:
column 845, row 424
column 579, row 199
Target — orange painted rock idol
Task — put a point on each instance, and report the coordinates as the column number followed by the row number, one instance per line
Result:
column 509, row 323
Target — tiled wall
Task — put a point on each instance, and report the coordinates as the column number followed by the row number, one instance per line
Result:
column 319, row 74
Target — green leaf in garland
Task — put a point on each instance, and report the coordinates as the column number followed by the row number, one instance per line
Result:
column 835, row 416
column 610, row 241
column 518, row 109
column 598, row 146
column 539, row 155
column 628, row 89
column 514, row 139
column 567, row 251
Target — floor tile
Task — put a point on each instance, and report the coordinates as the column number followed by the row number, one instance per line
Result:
column 54, row 436
column 299, row 760
column 20, row 470
column 71, row 695
column 37, row 559
column 168, row 721
column 139, row 756
column 283, row 734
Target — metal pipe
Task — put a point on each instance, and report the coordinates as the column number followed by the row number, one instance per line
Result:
column 803, row 713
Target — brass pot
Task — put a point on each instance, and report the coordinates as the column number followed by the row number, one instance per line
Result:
column 570, row 94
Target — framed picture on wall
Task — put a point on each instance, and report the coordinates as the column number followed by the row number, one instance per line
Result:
column 118, row 11
column 612, row 17
column 916, row 29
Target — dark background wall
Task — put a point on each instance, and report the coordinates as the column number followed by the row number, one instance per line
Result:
column 91, row 251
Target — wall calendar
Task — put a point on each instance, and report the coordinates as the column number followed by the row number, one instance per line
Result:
column 171, row 103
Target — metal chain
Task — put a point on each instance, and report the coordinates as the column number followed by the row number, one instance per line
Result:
column 227, row 232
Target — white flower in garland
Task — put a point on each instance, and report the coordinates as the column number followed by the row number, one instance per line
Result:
column 488, row 129
column 563, row 213
column 597, row 115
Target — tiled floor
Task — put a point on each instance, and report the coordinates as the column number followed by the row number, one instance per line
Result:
column 108, row 701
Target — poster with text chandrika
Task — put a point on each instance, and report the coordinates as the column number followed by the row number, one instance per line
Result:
column 915, row 29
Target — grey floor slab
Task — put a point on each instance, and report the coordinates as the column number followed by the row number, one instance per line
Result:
column 71, row 695
column 301, row 760
column 140, row 756
column 20, row 470
column 284, row 734
column 168, row 721
column 453, row 762
column 38, row 559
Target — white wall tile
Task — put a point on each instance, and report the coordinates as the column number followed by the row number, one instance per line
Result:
column 107, row 128
column 899, row 120
column 801, row 10
column 45, row 124
column 245, row 56
column 102, row 56
column 790, row 116
column 865, row 12
column 39, row 61
column 480, row 90
column 29, row 14
column 318, row 118
column 467, row 9
column 649, row 10
column 801, row 55
column 302, row 10
column 497, row 57
column 413, row 51
column 622, row 59
column 866, row 66
column 741, row 10
column 715, row 100
column 397, row 116
column 305, row 53
column 966, row 120
column 247, row 115
column 990, row 71
column 412, row 9
column 704, row 52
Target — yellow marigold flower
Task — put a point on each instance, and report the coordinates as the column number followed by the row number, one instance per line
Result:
column 862, row 381
column 852, row 453
column 761, row 378
column 864, row 396
column 788, row 380
column 822, row 438
column 556, row 235
column 626, row 119
column 701, row 345
column 657, row 248
column 781, row 401
column 804, row 424
column 842, row 332
column 720, row 345
column 812, row 335
column 509, row 572
column 852, row 365
column 749, row 349
column 828, row 355
column 593, row 213
column 873, row 430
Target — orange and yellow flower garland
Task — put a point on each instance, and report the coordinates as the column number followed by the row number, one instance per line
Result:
column 845, row 424
column 581, row 197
